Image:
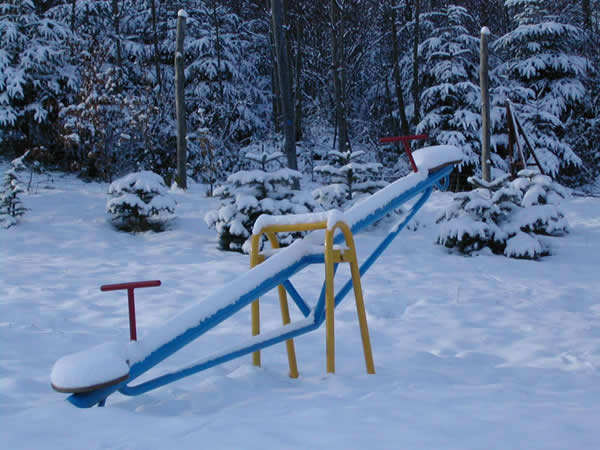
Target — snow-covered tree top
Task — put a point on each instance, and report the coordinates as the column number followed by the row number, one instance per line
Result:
column 139, row 181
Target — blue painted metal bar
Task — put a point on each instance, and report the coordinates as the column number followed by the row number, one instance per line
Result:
column 383, row 245
column 174, row 376
column 298, row 300
column 99, row 396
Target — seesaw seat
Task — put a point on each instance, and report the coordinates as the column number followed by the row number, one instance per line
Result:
column 89, row 370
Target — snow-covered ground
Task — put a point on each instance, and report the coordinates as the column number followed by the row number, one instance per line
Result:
column 483, row 352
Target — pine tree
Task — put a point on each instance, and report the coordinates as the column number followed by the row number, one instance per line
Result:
column 508, row 217
column 545, row 73
column 139, row 202
column 250, row 193
column 450, row 73
column 11, row 206
column 346, row 175
column 34, row 73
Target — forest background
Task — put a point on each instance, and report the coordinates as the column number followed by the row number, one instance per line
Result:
column 89, row 86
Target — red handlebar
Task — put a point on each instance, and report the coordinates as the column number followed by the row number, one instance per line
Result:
column 130, row 299
column 404, row 140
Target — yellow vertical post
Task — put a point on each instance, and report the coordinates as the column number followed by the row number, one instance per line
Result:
column 255, row 308
column 285, row 317
column 362, row 315
column 329, row 302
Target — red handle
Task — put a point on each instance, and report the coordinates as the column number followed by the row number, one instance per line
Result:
column 130, row 299
column 404, row 140
column 133, row 285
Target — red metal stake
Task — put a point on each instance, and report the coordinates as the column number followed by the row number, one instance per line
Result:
column 405, row 140
column 130, row 299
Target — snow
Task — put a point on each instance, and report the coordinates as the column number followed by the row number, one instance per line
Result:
column 431, row 157
column 102, row 363
column 486, row 31
column 470, row 353
column 182, row 13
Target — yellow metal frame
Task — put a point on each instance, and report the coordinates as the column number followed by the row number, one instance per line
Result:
column 333, row 256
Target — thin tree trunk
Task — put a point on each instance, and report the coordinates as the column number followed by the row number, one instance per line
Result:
column 485, row 105
column 155, row 44
column 298, row 67
column 390, row 103
column 285, row 86
column 218, row 51
column 397, row 78
column 337, row 47
column 180, row 102
column 116, row 16
column 415, row 85
column 587, row 15
column 73, row 14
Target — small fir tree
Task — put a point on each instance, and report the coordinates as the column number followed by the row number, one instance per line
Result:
column 508, row 217
column 11, row 206
column 250, row 193
column 140, row 202
column 346, row 175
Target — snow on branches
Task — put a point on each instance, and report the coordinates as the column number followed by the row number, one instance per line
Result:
column 140, row 202
column 508, row 217
column 250, row 193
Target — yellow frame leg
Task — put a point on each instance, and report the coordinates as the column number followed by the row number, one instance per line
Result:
column 329, row 302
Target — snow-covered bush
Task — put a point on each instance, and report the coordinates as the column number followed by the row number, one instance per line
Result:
column 140, row 202
column 250, row 193
column 345, row 175
column 505, row 216
column 11, row 207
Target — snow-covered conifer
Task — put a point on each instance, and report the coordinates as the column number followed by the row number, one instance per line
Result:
column 250, row 193
column 140, row 202
column 450, row 74
column 11, row 206
column 505, row 216
column 344, row 176
column 541, row 61
column 34, row 73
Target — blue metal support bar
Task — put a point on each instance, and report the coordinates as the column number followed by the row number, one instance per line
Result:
column 298, row 300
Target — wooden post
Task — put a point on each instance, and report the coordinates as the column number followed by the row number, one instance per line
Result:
column 180, row 100
column 485, row 105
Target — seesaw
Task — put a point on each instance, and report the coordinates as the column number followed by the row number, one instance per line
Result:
column 92, row 375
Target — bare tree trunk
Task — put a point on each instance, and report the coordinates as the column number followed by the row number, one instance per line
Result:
column 397, row 78
column 587, row 15
column 337, row 47
column 285, row 86
column 218, row 51
column 416, row 91
column 180, row 101
column 155, row 44
column 116, row 16
column 298, row 68
column 485, row 105
column 390, row 103
column 73, row 14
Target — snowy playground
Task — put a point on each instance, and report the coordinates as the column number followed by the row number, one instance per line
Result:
column 470, row 352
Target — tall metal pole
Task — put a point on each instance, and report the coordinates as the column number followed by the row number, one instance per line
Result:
column 180, row 100
column 485, row 105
